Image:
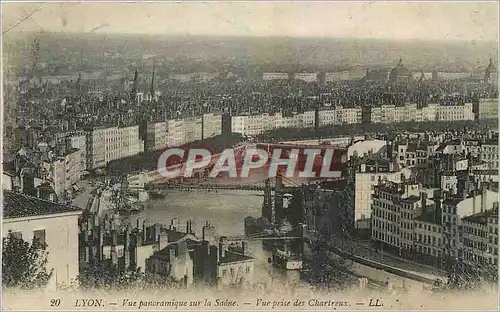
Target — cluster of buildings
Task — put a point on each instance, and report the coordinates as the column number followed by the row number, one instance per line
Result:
column 400, row 73
column 176, row 132
column 255, row 124
column 167, row 252
column 68, row 155
column 429, row 196
column 48, row 173
column 434, row 225
column 77, row 240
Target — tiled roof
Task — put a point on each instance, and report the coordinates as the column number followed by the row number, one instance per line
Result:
column 17, row 205
column 453, row 201
column 480, row 217
column 231, row 256
column 411, row 199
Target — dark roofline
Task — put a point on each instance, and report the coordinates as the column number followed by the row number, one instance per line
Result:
column 18, row 205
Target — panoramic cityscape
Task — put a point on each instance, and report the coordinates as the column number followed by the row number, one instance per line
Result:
column 239, row 159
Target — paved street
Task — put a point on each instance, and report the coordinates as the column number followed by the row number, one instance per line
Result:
column 365, row 250
column 81, row 200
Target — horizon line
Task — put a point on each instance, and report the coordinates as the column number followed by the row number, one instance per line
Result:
column 246, row 36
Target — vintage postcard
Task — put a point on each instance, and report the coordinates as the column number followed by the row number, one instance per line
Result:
column 253, row 155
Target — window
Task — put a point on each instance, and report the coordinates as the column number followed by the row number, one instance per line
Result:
column 224, row 272
column 247, row 270
column 39, row 236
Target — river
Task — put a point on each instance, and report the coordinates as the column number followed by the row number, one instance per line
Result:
column 226, row 212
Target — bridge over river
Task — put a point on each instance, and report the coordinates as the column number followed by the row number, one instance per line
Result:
column 239, row 152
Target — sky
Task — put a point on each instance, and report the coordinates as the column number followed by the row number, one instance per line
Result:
column 378, row 20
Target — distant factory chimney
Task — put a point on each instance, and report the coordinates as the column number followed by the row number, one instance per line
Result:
column 152, row 87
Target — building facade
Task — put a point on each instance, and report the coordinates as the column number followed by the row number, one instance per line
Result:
column 53, row 224
column 107, row 144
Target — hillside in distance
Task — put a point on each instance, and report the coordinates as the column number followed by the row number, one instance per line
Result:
column 264, row 53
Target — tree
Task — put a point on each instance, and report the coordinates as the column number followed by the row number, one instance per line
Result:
column 105, row 275
column 328, row 272
column 23, row 264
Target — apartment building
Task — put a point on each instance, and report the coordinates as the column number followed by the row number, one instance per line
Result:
column 64, row 170
column 249, row 125
column 454, row 210
column 412, row 152
column 338, row 76
column 156, row 136
column 370, row 172
column 455, row 112
column 51, row 223
column 275, row 76
column 395, row 209
column 107, row 144
column 192, row 129
column 480, row 247
column 175, row 134
column 212, row 125
column 429, row 112
column 489, row 153
column 307, row 77
column 488, row 109
column 349, row 115
column 427, row 235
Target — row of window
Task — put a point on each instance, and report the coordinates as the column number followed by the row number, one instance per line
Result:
column 38, row 236
column 232, row 271
column 476, row 258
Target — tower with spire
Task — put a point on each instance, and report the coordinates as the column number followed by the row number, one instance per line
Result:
column 400, row 72
column 152, row 87
column 488, row 71
column 135, row 94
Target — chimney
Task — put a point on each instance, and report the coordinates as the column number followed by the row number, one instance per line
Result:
column 423, row 196
column 126, row 248
column 208, row 233
column 162, row 241
column 473, row 201
column 175, row 223
column 363, row 168
column 483, row 198
column 244, row 247
column 438, row 209
column 86, row 254
column 188, row 227
column 85, row 233
column 114, row 238
column 106, row 222
column 156, row 232
column 172, row 253
column 101, row 242
column 222, row 247
column 191, row 227
column 95, row 217
column 114, row 241
column 144, row 232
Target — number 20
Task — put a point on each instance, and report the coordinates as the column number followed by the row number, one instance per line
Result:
column 55, row 302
